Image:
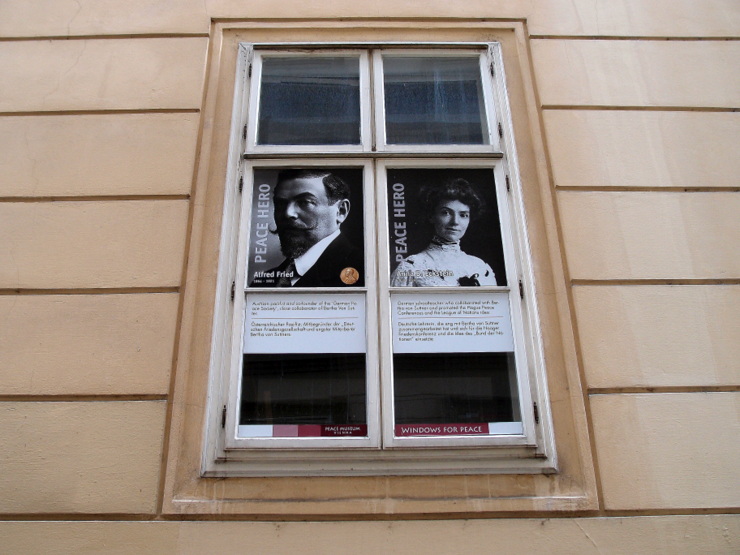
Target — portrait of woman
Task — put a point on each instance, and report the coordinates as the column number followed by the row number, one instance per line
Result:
column 449, row 208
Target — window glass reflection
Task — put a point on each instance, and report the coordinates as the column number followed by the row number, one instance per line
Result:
column 443, row 388
column 307, row 388
column 309, row 101
column 434, row 100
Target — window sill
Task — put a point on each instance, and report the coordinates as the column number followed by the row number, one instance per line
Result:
column 397, row 462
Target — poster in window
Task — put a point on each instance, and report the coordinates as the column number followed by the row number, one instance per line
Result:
column 444, row 228
column 306, row 228
column 454, row 370
column 304, row 365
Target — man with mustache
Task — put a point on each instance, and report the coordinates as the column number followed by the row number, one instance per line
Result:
column 309, row 207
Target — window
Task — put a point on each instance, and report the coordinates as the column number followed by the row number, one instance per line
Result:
column 376, row 247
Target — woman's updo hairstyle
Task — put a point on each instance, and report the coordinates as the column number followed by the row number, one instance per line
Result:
column 453, row 189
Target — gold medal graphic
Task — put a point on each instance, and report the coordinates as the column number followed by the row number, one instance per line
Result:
column 349, row 275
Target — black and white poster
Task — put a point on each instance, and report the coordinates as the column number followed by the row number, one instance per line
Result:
column 306, row 228
column 444, row 228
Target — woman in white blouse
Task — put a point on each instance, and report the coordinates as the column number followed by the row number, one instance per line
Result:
column 449, row 208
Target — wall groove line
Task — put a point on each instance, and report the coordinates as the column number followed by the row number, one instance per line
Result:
column 93, row 198
column 107, row 112
column 81, row 398
column 109, row 37
column 657, row 38
column 91, row 291
column 663, row 389
column 638, row 189
column 666, row 281
column 607, row 107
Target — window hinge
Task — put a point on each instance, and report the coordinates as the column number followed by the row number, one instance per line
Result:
column 508, row 184
column 249, row 71
column 241, row 183
column 223, row 417
column 493, row 71
column 244, row 132
column 536, row 413
column 500, row 131
column 233, row 290
column 521, row 290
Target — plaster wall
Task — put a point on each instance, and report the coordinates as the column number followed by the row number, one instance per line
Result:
column 101, row 107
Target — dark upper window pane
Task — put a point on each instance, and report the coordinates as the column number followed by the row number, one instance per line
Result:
column 309, row 101
column 434, row 101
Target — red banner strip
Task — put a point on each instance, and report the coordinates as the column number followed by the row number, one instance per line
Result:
column 316, row 430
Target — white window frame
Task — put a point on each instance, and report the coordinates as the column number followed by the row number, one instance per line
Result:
column 512, row 277
column 490, row 146
column 225, row 454
column 372, row 389
column 253, row 147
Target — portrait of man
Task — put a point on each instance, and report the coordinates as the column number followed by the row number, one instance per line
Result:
column 309, row 208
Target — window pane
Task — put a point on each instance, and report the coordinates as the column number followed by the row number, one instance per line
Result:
column 454, row 364
column 303, row 371
column 457, row 388
column 325, row 389
column 434, row 101
column 309, row 101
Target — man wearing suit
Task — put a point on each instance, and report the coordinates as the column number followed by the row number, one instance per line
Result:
column 309, row 208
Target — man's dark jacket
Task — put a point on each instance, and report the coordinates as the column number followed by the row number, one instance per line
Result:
column 340, row 254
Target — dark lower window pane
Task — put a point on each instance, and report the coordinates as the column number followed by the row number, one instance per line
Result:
column 439, row 388
column 434, row 100
column 323, row 389
column 309, row 101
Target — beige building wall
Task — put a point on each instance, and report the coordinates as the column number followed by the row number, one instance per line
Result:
column 101, row 106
